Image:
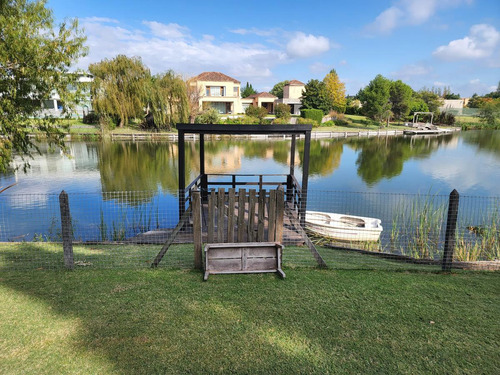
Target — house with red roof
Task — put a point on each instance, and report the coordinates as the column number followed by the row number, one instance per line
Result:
column 292, row 95
column 218, row 91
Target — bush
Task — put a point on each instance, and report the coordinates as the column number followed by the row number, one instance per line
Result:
column 282, row 111
column 328, row 123
column 259, row 112
column 307, row 121
column 446, row 118
column 341, row 122
column 91, row 118
column 281, row 121
column 243, row 120
column 313, row 114
column 210, row 116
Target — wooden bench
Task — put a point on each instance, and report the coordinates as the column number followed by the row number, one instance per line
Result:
column 244, row 257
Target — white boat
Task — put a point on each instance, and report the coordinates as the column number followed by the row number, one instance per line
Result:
column 344, row 227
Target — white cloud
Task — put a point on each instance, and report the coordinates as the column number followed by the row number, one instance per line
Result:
column 407, row 72
column 439, row 84
column 167, row 31
column 254, row 30
column 409, row 12
column 169, row 46
column 302, row 45
column 480, row 43
column 318, row 68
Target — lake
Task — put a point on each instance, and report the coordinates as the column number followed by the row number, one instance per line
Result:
column 378, row 168
column 466, row 161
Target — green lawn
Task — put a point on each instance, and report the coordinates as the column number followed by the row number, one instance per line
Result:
column 356, row 317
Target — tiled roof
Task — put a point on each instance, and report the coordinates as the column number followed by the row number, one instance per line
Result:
column 262, row 95
column 294, row 82
column 214, row 77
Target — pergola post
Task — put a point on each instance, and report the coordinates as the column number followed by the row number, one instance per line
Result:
column 182, row 174
column 204, row 179
column 305, row 178
column 289, row 180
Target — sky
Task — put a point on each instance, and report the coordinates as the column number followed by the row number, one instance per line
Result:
column 425, row 43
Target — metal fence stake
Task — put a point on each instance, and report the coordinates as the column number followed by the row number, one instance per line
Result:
column 67, row 236
column 451, row 226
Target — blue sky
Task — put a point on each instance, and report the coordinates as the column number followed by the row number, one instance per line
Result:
column 438, row 43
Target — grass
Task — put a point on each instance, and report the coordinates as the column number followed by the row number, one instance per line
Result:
column 344, row 320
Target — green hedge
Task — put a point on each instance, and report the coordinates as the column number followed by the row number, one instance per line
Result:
column 313, row 114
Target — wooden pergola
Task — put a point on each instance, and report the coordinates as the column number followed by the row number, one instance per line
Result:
column 295, row 192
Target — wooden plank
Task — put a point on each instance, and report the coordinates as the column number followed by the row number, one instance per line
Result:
column 251, row 215
column 231, row 220
column 198, row 257
column 221, row 195
column 271, row 230
column 242, row 228
column 254, row 264
column 280, row 213
column 261, row 215
column 211, row 216
column 184, row 219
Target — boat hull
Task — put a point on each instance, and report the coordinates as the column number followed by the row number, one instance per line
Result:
column 344, row 227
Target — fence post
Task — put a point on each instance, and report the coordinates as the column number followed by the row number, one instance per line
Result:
column 198, row 258
column 451, row 226
column 67, row 236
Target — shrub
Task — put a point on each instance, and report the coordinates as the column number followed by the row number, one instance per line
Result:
column 259, row 112
column 308, row 121
column 313, row 114
column 341, row 122
column 210, row 116
column 282, row 111
column 328, row 123
column 243, row 120
column 91, row 118
column 446, row 118
column 282, row 121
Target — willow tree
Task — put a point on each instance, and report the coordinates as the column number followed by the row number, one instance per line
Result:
column 35, row 58
column 120, row 88
column 168, row 100
column 336, row 91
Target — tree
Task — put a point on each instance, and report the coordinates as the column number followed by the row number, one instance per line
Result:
column 451, row 96
column 35, row 58
column 194, row 94
column 258, row 112
column 489, row 112
column 282, row 111
column 315, row 96
column 120, row 88
column 430, row 98
column 247, row 91
column 336, row 91
column 401, row 96
column 375, row 98
column 168, row 100
column 277, row 89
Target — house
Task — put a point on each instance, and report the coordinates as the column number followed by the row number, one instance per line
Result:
column 454, row 106
column 53, row 106
column 218, row 91
column 262, row 99
column 292, row 94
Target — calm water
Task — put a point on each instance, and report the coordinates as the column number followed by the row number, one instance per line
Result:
column 468, row 162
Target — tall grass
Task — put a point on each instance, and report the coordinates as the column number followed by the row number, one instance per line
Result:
column 417, row 227
column 479, row 242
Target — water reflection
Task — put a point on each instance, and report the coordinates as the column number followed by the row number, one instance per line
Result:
column 484, row 141
column 380, row 158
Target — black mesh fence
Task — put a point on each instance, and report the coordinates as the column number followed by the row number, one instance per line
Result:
column 347, row 230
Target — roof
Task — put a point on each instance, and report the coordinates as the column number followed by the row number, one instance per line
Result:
column 262, row 95
column 214, row 77
column 294, row 82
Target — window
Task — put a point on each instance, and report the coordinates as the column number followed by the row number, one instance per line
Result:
column 236, row 91
column 216, row 91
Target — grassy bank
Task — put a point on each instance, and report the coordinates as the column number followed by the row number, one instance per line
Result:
column 145, row 321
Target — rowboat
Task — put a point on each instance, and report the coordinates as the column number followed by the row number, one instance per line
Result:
column 344, row 227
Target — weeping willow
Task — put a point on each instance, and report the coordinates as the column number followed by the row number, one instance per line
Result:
column 120, row 88
column 168, row 100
